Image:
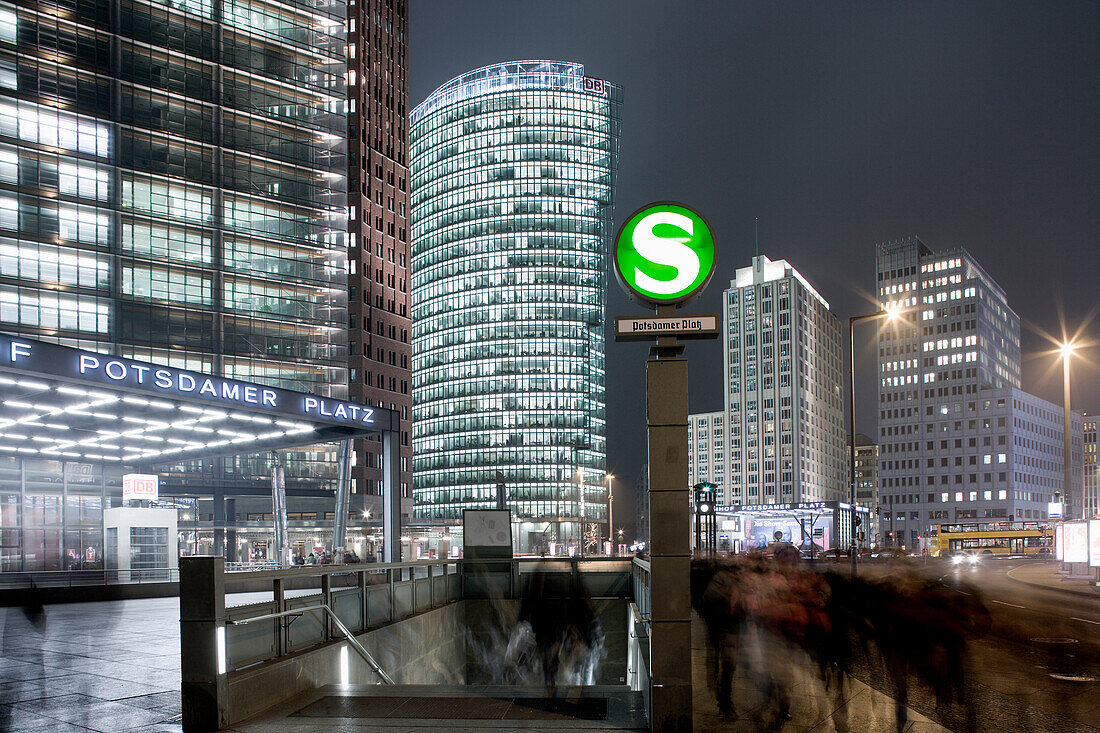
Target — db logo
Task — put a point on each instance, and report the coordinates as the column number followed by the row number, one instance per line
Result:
column 599, row 86
column 140, row 486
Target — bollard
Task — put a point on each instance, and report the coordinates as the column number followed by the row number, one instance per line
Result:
column 203, row 644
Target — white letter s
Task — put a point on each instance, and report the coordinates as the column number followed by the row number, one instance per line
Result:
column 670, row 251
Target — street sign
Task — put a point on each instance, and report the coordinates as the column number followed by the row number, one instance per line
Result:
column 664, row 254
column 628, row 328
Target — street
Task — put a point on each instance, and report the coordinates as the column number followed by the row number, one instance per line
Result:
column 1038, row 668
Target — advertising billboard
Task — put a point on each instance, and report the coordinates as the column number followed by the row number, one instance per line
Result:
column 1094, row 543
column 140, row 487
column 1075, row 542
column 487, row 533
column 1058, row 542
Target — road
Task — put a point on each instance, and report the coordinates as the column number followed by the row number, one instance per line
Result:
column 1038, row 669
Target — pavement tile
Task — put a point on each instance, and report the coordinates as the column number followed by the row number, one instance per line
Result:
column 23, row 721
column 168, row 702
column 99, row 715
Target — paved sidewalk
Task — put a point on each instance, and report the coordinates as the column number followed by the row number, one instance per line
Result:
column 107, row 666
column 861, row 709
column 1047, row 575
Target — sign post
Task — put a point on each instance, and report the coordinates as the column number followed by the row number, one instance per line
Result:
column 664, row 257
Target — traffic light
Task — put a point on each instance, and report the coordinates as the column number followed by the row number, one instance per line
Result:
column 857, row 520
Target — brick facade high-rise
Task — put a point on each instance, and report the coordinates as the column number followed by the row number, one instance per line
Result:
column 378, row 254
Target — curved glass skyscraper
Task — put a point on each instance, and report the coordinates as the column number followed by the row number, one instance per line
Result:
column 512, row 171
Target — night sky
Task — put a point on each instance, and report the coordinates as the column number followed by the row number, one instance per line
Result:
column 839, row 126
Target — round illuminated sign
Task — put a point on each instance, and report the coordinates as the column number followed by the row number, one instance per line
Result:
column 664, row 254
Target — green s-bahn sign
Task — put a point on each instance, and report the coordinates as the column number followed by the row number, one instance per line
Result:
column 664, row 254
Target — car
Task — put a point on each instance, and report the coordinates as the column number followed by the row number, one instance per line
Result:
column 964, row 558
column 890, row 553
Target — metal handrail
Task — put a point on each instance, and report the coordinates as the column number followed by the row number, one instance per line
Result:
column 347, row 634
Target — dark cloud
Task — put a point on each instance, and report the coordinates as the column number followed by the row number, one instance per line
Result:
column 839, row 125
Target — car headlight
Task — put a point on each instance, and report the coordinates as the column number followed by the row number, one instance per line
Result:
column 957, row 559
column 974, row 559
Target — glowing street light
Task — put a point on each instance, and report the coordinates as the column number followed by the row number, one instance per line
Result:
column 891, row 313
column 1066, row 347
column 611, row 512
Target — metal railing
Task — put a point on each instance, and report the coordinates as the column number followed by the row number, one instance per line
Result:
column 640, row 580
column 335, row 619
column 78, row 578
column 358, row 598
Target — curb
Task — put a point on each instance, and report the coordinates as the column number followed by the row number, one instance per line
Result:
column 1086, row 593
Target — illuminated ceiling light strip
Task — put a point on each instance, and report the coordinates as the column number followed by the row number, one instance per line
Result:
column 69, row 454
column 5, row 380
column 73, row 391
column 135, row 400
column 20, row 405
column 31, row 384
column 161, row 405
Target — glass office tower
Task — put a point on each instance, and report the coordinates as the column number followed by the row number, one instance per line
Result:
column 513, row 170
column 172, row 189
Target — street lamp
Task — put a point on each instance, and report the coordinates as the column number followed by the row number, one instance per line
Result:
column 1066, row 348
column 610, row 513
column 890, row 313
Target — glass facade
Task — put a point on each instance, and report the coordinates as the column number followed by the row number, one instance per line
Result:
column 513, row 169
column 172, row 189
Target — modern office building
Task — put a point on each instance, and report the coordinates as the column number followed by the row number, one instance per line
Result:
column 867, row 486
column 784, row 403
column 379, row 352
column 1091, row 493
column 958, row 438
column 173, row 190
column 513, row 173
column 707, row 450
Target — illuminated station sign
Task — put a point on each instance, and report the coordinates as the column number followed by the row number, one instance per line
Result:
column 72, row 403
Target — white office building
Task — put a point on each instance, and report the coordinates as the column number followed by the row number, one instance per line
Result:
column 867, row 486
column 958, row 438
column 707, row 449
column 782, row 357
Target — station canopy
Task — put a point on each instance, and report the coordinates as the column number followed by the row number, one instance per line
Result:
column 63, row 403
column 797, row 509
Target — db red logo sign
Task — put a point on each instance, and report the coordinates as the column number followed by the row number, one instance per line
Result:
column 139, row 486
column 598, row 86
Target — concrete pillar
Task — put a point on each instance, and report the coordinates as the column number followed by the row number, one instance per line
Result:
column 670, row 553
column 343, row 499
column 278, row 507
column 232, row 547
column 391, row 496
column 203, row 644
